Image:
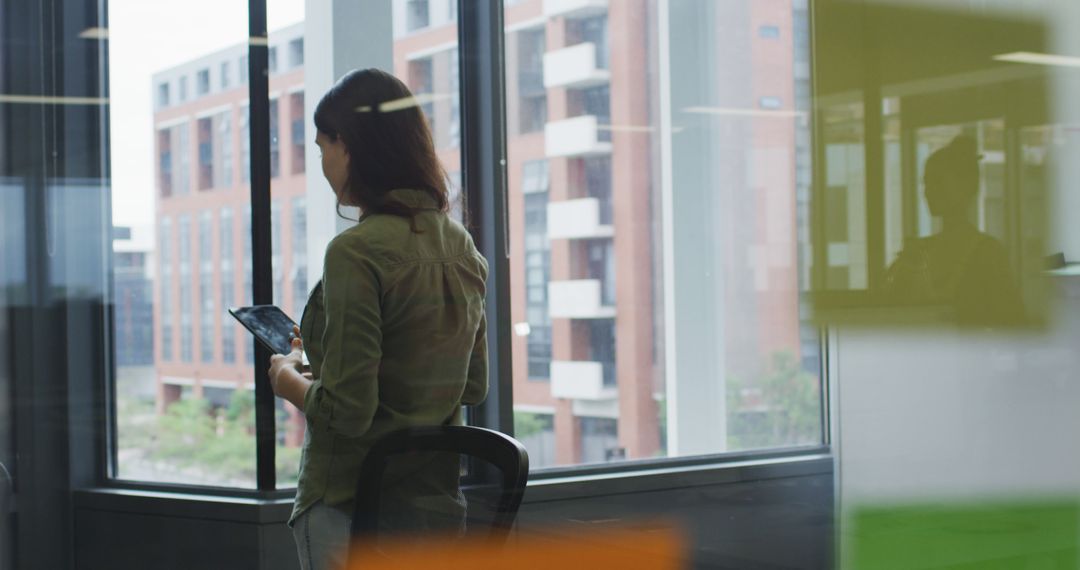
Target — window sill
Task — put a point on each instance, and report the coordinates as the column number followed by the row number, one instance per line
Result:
column 562, row 484
column 545, row 486
column 186, row 505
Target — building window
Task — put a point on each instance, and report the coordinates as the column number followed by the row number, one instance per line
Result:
column 296, row 127
column 245, row 144
column 165, row 166
column 228, row 327
column 271, row 60
column 422, row 84
column 165, row 287
column 768, row 32
column 163, row 94
column 598, row 185
column 182, row 88
column 416, row 15
column 183, row 238
column 226, row 78
column 202, row 82
column 454, row 130
column 769, row 102
column 277, row 268
column 249, row 346
column 275, row 145
column 299, row 256
column 242, row 69
column 296, row 53
column 223, row 157
column 600, row 440
column 593, row 30
column 536, row 431
column 532, row 105
column 206, row 287
column 537, row 270
column 206, row 153
column 183, row 158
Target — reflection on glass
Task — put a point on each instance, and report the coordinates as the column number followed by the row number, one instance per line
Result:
column 959, row 266
column 920, row 216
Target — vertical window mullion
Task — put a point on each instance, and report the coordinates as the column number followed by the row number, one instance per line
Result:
column 262, row 284
column 483, row 149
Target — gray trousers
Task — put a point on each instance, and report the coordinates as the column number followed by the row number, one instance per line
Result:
column 322, row 538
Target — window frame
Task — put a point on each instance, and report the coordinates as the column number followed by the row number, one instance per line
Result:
column 483, row 124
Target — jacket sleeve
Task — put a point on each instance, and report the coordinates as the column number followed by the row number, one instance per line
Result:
column 344, row 399
column 476, row 383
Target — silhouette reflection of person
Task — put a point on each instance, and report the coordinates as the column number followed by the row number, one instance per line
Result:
column 960, row 266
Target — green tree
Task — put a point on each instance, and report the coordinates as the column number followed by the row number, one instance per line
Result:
column 783, row 408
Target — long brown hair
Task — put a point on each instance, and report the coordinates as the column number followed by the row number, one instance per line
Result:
column 388, row 140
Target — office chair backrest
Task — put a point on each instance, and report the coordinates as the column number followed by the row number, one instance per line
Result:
column 497, row 449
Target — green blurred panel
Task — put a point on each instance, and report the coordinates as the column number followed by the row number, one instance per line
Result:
column 1040, row 535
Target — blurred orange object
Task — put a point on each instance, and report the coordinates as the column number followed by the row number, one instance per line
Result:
column 654, row 549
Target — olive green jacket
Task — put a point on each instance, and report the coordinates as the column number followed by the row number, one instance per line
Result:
column 396, row 336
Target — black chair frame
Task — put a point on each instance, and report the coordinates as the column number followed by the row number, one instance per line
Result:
column 498, row 449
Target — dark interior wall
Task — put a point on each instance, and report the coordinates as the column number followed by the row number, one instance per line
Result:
column 768, row 522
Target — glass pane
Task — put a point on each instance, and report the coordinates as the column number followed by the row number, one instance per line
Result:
column 305, row 216
column 185, row 404
column 659, row 209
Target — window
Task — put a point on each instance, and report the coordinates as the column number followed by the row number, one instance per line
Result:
column 165, row 163
column 296, row 126
column 536, row 431
column 616, row 309
column 206, row 153
column 532, row 110
column 275, row 145
column 223, row 152
column 593, row 30
column 296, row 53
column 163, row 94
column 245, row 144
column 165, row 283
column 454, row 120
column 600, row 440
column 537, row 327
column 769, row 103
column 228, row 327
column 183, row 88
column 299, row 256
column 593, row 321
column 183, row 153
column 226, row 77
column 206, row 287
column 275, row 251
column 183, row 238
column 249, row 345
column 422, row 83
column 416, row 15
column 202, row 82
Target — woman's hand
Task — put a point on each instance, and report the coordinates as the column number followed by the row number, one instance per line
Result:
column 287, row 377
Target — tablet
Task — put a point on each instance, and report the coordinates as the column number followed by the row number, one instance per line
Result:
column 269, row 324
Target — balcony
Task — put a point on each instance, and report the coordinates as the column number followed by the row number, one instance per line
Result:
column 574, row 8
column 579, row 299
column 580, row 381
column 577, row 136
column 576, row 66
column 576, row 219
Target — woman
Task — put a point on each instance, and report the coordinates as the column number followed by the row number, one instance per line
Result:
column 960, row 267
column 395, row 332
